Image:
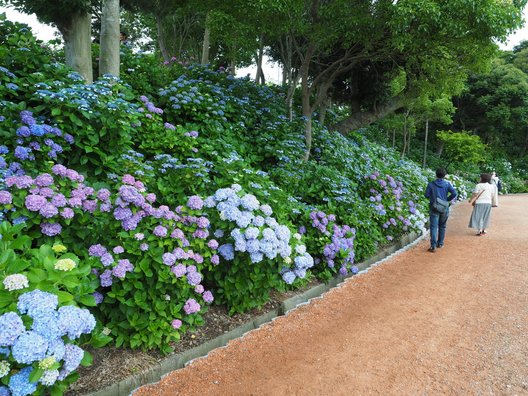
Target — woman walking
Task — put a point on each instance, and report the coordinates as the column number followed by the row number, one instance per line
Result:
column 483, row 198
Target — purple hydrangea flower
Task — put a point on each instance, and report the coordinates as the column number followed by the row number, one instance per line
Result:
column 191, row 306
column 208, row 297
column 179, row 270
column 194, row 278
column 97, row 250
column 176, row 323
column 67, row 213
column 35, row 202
column 44, row 180
column 195, row 202
column 168, row 259
column 5, row 198
column 50, row 229
column 98, row 297
column 48, row 210
column 160, row 231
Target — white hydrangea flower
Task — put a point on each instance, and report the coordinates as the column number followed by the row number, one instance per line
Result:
column 301, row 249
column 49, row 377
column 16, row 282
column 65, row 265
column 297, row 236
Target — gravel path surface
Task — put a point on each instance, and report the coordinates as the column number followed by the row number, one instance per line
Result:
column 454, row 322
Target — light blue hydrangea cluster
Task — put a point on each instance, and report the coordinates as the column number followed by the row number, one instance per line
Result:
column 49, row 335
column 251, row 229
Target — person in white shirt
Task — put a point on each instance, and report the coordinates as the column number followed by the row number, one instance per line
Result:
column 484, row 197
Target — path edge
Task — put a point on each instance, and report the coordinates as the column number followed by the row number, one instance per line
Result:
column 177, row 361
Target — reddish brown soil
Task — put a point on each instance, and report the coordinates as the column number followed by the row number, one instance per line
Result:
column 454, row 322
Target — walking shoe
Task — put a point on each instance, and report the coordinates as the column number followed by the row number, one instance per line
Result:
column 440, row 246
column 431, row 249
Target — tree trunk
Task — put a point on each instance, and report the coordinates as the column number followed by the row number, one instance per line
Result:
column 78, row 45
column 440, row 149
column 322, row 111
column 161, row 38
column 362, row 119
column 405, row 132
column 307, row 114
column 206, row 42
column 232, row 67
column 259, row 77
column 291, row 92
column 307, row 135
column 109, row 50
column 424, row 163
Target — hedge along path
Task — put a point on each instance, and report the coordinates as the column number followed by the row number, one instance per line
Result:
column 453, row 323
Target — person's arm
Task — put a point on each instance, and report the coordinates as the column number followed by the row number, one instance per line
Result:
column 452, row 194
column 428, row 191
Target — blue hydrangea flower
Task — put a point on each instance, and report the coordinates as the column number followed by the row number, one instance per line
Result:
column 29, row 347
column 249, row 202
column 19, row 384
column 227, row 251
column 11, row 326
column 75, row 321
column 288, row 277
column 47, row 325
column 72, row 358
column 37, row 301
column 56, row 349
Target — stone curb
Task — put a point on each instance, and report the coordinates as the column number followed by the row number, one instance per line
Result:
column 179, row 360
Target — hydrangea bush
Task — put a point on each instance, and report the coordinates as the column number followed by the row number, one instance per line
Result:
column 332, row 243
column 151, row 267
column 255, row 250
column 38, row 342
column 391, row 205
column 43, row 319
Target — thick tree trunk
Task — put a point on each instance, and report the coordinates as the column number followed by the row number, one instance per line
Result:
column 78, row 45
column 206, row 43
column 161, row 38
column 362, row 119
column 109, row 50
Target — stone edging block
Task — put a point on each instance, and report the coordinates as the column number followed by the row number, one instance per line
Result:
column 179, row 360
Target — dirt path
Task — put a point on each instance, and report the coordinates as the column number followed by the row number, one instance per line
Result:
column 450, row 323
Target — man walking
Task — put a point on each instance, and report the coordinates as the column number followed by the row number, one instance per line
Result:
column 440, row 193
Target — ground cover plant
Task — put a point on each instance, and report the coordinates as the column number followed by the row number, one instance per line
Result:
column 135, row 209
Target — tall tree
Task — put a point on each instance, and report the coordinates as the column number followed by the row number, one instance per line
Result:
column 352, row 50
column 495, row 106
column 110, row 38
column 72, row 19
